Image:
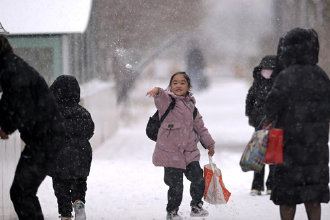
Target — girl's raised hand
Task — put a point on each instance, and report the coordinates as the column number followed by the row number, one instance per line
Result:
column 152, row 93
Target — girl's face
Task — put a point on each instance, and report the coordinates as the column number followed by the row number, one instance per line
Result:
column 179, row 85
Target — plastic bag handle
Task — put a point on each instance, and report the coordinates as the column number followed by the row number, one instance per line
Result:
column 213, row 169
column 211, row 163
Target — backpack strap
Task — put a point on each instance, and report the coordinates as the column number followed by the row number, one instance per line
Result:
column 195, row 113
column 194, row 117
column 171, row 106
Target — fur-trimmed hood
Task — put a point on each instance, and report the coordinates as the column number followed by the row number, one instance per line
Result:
column 298, row 46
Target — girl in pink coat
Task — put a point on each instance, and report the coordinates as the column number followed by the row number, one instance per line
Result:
column 176, row 148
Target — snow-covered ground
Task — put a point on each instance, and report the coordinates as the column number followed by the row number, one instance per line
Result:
column 124, row 184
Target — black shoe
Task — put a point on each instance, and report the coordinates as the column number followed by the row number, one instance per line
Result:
column 255, row 192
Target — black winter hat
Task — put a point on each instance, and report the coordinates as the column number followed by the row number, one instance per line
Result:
column 268, row 61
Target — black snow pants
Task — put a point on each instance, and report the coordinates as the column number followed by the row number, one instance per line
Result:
column 174, row 179
column 30, row 172
column 258, row 179
column 67, row 191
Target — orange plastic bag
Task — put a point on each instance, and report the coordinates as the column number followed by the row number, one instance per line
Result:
column 215, row 190
column 274, row 152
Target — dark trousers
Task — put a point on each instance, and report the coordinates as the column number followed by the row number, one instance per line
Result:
column 67, row 191
column 174, row 179
column 30, row 172
column 258, row 179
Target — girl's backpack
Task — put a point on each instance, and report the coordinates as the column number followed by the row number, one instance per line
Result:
column 154, row 122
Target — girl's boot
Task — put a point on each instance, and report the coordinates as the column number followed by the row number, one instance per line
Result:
column 173, row 215
column 198, row 211
column 79, row 209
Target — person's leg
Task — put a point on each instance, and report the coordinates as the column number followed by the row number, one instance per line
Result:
column 28, row 177
column 63, row 195
column 287, row 212
column 174, row 179
column 313, row 210
column 78, row 189
column 271, row 177
column 194, row 174
column 258, row 180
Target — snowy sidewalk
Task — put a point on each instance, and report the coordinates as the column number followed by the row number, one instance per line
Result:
column 124, row 184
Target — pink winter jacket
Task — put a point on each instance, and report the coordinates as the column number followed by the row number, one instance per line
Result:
column 179, row 134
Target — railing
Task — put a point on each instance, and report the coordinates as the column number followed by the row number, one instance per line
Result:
column 10, row 151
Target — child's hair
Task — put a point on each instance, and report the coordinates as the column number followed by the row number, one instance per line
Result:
column 185, row 76
column 4, row 46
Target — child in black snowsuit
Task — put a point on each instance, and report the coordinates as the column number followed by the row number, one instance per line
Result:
column 255, row 109
column 72, row 166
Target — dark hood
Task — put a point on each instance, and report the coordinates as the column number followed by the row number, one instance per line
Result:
column 268, row 62
column 66, row 90
column 298, row 46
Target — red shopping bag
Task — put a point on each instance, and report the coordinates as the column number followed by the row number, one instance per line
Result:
column 215, row 190
column 274, row 152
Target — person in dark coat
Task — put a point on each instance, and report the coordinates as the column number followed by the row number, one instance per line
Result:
column 195, row 67
column 264, row 77
column 71, row 167
column 300, row 101
column 28, row 105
